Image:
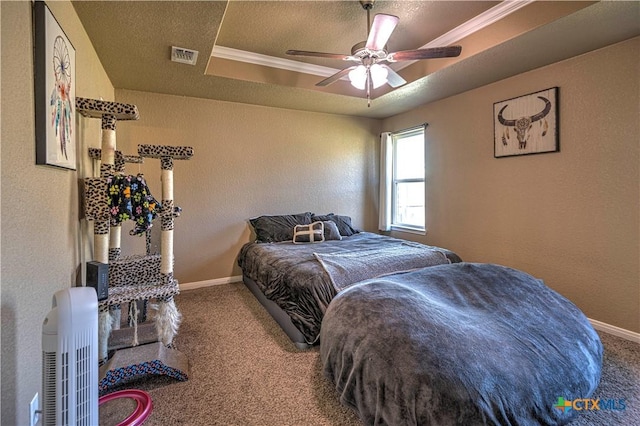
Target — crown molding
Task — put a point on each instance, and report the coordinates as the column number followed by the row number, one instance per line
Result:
column 271, row 61
column 481, row 21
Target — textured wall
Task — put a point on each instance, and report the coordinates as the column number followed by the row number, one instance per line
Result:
column 570, row 218
column 250, row 161
column 41, row 240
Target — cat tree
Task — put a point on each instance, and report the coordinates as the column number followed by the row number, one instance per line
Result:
column 137, row 277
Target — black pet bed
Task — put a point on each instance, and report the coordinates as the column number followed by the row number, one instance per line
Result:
column 458, row 344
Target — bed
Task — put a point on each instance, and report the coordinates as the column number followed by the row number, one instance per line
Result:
column 459, row 343
column 296, row 282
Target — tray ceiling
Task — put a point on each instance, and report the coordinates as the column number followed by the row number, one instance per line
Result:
column 242, row 46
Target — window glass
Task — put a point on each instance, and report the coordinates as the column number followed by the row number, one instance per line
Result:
column 410, row 204
column 408, row 190
column 410, row 157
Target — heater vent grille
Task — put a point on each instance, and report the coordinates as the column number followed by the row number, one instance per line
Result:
column 184, row 56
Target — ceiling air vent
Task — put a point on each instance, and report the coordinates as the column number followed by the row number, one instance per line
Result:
column 184, row 56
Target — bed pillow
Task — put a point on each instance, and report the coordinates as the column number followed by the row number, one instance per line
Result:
column 313, row 233
column 331, row 231
column 273, row 229
column 343, row 222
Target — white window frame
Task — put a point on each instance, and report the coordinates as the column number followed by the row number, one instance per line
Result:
column 395, row 137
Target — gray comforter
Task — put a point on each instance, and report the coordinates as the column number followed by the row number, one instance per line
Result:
column 294, row 277
column 458, row 344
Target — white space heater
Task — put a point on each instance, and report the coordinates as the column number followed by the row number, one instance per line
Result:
column 70, row 359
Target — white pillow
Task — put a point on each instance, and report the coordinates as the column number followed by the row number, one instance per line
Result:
column 313, row 233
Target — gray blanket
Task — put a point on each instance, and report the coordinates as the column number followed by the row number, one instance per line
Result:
column 345, row 269
column 291, row 275
column 458, row 344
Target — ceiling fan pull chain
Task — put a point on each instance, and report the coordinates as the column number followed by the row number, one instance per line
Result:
column 369, row 83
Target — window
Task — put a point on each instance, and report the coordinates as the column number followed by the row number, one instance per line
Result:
column 407, row 180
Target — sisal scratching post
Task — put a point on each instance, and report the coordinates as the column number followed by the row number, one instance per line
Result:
column 168, row 318
column 166, row 248
column 107, row 169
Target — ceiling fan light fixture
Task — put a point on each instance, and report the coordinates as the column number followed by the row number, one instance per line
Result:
column 378, row 75
column 358, row 77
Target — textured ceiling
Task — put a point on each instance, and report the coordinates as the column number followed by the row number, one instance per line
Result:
column 133, row 40
column 335, row 27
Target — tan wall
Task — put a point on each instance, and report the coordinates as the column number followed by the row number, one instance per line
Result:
column 570, row 218
column 41, row 240
column 249, row 161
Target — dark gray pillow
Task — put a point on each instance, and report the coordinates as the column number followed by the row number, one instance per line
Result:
column 343, row 222
column 273, row 229
column 331, row 231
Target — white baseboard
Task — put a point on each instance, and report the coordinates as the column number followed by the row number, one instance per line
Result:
column 209, row 283
column 616, row 331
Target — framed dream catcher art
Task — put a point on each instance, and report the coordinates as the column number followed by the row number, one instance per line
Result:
column 55, row 91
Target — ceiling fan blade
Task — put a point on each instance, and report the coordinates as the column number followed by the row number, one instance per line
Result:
column 319, row 54
column 381, row 29
column 393, row 78
column 335, row 77
column 434, row 52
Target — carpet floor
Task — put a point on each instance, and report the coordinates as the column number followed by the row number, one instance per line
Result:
column 245, row 371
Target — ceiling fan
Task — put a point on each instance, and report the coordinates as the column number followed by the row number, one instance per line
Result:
column 371, row 56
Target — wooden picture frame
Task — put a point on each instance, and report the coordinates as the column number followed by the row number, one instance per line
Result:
column 55, row 91
column 526, row 124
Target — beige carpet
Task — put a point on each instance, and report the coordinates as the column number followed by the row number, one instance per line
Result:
column 245, row 371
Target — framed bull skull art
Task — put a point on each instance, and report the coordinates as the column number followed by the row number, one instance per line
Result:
column 527, row 124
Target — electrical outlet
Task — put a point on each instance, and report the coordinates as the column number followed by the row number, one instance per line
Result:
column 34, row 415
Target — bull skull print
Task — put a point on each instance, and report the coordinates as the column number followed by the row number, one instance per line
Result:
column 523, row 125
